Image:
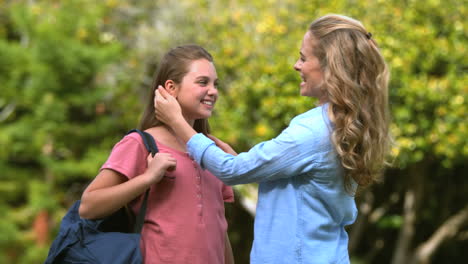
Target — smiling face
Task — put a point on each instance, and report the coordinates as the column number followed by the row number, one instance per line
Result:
column 308, row 67
column 197, row 93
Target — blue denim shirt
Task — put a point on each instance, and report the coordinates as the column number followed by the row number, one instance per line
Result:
column 302, row 205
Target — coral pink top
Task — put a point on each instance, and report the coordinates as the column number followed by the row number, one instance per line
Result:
column 185, row 220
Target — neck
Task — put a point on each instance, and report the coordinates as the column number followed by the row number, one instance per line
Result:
column 177, row 142
column 323, row 100
column 191, row 122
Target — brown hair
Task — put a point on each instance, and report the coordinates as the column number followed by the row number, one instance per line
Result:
column 174, row 66
column 356, row 84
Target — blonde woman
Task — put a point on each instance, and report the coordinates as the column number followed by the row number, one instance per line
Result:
column 309, row 173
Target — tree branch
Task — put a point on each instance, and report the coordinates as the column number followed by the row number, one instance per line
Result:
column 411, row 204
column 6, row 111
column 449, row 229
column 407, row 230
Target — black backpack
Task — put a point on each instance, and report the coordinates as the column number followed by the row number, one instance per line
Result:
column 114, row 239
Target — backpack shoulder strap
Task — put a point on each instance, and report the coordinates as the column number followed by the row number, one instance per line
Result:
column 150, row 145
column 148, row 140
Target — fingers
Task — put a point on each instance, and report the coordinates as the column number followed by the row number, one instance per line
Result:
column 223, row 145
column 164, row 159
column 172, row 164
column 162, row 156
column 216, row 140
column 158, row 96
column 212, row 137
column 163, row 91
column 159, row 101
column 149, row 159
column 161, row 96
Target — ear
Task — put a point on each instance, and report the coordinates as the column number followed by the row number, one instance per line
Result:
column 172, row 88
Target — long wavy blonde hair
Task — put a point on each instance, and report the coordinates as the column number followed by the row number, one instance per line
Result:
column 356, row 85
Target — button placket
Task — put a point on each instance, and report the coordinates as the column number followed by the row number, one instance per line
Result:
column 198, row 184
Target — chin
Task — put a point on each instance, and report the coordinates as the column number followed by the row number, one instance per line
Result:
column 203, row 116
column 304, row 93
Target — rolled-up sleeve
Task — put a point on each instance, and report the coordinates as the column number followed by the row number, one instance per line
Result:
column 291, row 153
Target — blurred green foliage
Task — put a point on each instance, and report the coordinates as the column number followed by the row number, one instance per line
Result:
column 73, row 76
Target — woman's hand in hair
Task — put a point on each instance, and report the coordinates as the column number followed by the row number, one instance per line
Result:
column 168, row 111
column 166, row 107
column 222, row 145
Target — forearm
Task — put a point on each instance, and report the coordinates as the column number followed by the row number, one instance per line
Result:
column 183, row 129
column 280, row 157
column 102, row 202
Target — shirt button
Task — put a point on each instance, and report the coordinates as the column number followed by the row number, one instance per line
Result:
column 200, row 209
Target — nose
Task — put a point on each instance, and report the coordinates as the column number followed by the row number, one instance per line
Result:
column 213, row 91
column 297, row 65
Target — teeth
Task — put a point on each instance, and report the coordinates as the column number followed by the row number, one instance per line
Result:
column 208, row 102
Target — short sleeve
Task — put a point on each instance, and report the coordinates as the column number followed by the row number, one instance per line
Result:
column 228, row 194
column 128, row 157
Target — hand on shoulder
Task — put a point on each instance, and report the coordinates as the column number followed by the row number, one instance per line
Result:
column 223, row 145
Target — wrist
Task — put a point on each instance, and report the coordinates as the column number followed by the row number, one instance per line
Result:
column 152, row 177
column 177, row 125
column 184, row 131
column 175, row 122
column 147, row 177
column 179, row 122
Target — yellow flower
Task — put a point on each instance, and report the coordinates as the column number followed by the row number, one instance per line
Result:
column 261, row 130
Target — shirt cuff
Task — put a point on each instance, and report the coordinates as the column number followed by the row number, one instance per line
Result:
column 197, row 146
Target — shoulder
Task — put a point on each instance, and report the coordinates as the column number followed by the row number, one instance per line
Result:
column 160, row 134
column 128, row 156
column 314, row 123
column 131, row 141
column 319, row 113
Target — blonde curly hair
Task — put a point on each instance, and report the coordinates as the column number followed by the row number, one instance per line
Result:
column 356, row 85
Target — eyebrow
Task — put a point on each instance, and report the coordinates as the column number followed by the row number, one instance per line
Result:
column 205, row 77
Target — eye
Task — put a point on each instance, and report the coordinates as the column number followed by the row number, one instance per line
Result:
column 302, row 58
column 203, row 82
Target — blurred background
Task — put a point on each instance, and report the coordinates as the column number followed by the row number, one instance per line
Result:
column 74, row 74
